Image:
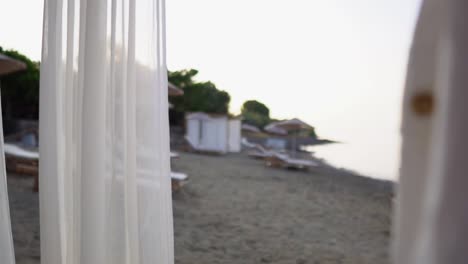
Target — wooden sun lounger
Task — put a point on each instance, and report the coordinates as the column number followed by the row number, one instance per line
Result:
column 178, row 179
column 247, row 144
column 22, row 161
column 284, row 161
column 26, row 162
column 278, row 160
column 259, row 152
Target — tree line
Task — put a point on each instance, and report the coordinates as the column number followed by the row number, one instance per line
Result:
column 206, row 97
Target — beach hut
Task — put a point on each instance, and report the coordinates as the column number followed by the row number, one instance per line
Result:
column 234, row 135
column 213, row 133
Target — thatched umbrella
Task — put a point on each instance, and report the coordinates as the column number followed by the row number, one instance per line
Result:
column 292, row 125
column 174, row 90
column 273, row 129
column 9, row 65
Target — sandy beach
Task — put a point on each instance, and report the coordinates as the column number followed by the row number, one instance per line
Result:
column 236, row 210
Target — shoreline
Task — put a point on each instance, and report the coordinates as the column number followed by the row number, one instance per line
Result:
column 326, row 165
column 323, row 162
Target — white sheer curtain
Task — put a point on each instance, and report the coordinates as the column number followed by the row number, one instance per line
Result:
column 105, row 194
column 7, row 255
column 432, row 209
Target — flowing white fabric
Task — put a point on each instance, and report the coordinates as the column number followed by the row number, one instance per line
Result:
column 431, row 224
column 105, row 195
column 7, row 255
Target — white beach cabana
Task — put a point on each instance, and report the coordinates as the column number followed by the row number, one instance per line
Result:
column 213, row 133
column 234, row 135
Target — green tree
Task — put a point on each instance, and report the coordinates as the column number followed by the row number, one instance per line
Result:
column 198, row 96
column 255, row 107
column 255, row 113
column 182, row 78
column 20, row 90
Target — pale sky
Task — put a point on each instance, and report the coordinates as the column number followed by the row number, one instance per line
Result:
column 317, row 60
column 337, row 64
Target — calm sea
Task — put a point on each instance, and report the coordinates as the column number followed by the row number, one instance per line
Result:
column 373, row 158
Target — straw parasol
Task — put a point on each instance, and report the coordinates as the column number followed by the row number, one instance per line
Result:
column 9, row 65
column 272, row 129
column 292, row 124
column 250, row 128
column 174, row 90
column 287, row 126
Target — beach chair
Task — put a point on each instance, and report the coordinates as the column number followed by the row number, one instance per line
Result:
column 246, row 143
column 178, row 179
column 277, row 160
column 22, row 161
column 174, row 155
column 259, row 152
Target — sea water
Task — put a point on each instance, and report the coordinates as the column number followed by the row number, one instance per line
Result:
column 378, row 158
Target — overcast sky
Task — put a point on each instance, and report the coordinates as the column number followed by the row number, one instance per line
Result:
column 338, row 64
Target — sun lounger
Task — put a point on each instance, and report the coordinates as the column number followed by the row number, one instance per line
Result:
column 174, row 155
column 178, row 179
column 179, row 176
column 278, row 160
column 247, row 144
column 22, row 161
column 16, row 151
column 259, row 152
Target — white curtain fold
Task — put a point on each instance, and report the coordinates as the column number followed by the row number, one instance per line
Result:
column 432, row 212
column 7, row 255
column 105, row 193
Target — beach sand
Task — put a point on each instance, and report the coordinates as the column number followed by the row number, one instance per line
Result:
column 236, row 210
